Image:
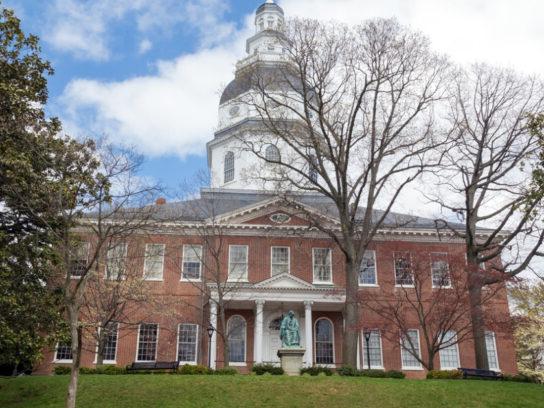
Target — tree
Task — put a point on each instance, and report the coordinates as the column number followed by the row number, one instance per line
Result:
column 435, row 303
column 484, row 180
column 36, row 167
column 529, row 324
column 351, row 108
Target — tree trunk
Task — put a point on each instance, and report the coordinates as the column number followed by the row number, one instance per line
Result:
column 100, row 349
column 224, row 337
column 478, row 325
column 75, row 330
column 351, row 316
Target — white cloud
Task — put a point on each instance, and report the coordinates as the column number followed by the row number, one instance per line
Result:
column 144, row 46
column 501, row 32
column 84, row 27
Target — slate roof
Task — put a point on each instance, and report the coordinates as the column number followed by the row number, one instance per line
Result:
column 217, row 202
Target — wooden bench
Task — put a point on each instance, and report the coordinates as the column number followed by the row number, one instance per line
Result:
column 476, row 372
column 153, row 366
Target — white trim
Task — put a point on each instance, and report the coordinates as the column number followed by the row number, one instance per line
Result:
column 498, row 369
column 411, row 368
column 448, row 271
column 319, row 282
column 244, row 279
column 62, row 361
column 288, row 259
column 412, row 285
column 372, row 367
column 199, row 279
column 138, row 344
column 123, row 276
column 315, row 345
column 162, row 262
column 370, row 285
column 238, row 363
column 456, row 345
column 180, row 362
column 116, row 347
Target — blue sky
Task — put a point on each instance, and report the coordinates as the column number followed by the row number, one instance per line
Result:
column 148, row 73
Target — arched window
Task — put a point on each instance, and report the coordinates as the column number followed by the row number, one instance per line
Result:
column 324, row 341
column 236, row 330
column 312, row 167
column 229, row 167
column 272, row 154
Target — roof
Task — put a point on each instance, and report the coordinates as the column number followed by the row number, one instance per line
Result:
column 218, row 202
column 269, row 6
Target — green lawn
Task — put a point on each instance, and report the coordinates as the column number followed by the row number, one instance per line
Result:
column 251, row 391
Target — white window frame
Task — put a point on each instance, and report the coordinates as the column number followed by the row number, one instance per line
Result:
column 239, row 363
column 123, row 277
column 364, row 364
column 244, row 278
column 446, row 256
column 402, row 285
column 272, row 259
column 229, row 153
column 147, row 278
column 61, row 361
column 333, row 364
column 411, row 368
column 369, row 285
column 199, row 279
column 156, row 344
column 319, row 282
column 456, row 345
column 489, row 332
column 180, row 362
column 87, row 246
column 116, row 347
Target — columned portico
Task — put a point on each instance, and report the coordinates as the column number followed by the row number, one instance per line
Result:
column 258, row 343
column 308, row 357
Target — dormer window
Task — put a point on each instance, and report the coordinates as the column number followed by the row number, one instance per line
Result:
column 229, row 167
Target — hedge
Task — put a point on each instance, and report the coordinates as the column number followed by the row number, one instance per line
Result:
column 445, row 375
column 353, row 372
column 261, row 369
column 316, row 370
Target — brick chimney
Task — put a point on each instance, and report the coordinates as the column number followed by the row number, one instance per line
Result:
column 160, row 201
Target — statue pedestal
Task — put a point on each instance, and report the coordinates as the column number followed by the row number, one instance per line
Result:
column 291, row 360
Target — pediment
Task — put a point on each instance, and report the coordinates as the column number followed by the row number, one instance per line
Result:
column 284, row 281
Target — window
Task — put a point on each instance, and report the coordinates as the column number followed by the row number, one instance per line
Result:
column 324, row 342
column 374, row 348
column 192, row 261
column 115, row 267
column 154, row 261
column 147, row 342
column 110, row 345
column 312, row 168
column 403, row 269
column 229, row 167
column 280, row 260
column 491, row 347
column 367, row 272
column 440, row 270
column 322, row 265
column 79, row 259
column 409, row 348
column 272, row 154
column 237, row 262
column 187, row 342
column 449, row 355
column 63, row 351
column 236, row 330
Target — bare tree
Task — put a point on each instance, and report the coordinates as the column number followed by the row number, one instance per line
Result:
column 106, row 215
column 351, row 109
column 485, row 179
column 433, row 301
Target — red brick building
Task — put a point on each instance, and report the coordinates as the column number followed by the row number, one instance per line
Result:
column 272, row 263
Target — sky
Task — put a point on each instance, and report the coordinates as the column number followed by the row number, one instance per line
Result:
column 149, row 73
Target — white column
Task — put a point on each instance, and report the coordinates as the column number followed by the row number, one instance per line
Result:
column 258, row 339
column 213, row 343
column 308, row 332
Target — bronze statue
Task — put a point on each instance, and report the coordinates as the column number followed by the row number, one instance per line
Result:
column 289, row 331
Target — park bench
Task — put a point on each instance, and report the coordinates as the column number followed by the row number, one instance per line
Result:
column 476, row 372
column 153, row 366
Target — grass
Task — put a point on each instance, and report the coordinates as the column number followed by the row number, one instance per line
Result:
column 267, row 391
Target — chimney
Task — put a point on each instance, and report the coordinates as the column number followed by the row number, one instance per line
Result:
column 160, row 201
